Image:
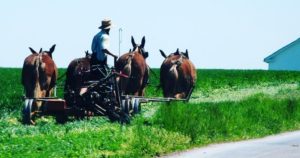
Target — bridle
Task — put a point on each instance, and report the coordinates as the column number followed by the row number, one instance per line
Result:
column 142, row 51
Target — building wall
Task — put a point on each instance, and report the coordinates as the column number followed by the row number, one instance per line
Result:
column 287, row 60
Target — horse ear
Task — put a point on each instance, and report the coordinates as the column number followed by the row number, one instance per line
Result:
column 41, row 50
column 129, row 50
column 143, row 42
column 177, row 52
column 32, row 51
column 186, row 54
column 52, row 49
column 163, row 53
column 133, row 42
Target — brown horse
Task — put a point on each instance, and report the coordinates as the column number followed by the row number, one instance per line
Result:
column 177, row 75
column 133, row 64
column 77, row 73
column 39, row 75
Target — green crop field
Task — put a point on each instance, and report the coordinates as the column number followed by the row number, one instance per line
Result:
column 226, row 105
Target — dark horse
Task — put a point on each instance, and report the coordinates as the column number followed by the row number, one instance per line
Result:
column 177, row 75
column 133, row 64
column 77, row 73
column 39, row 75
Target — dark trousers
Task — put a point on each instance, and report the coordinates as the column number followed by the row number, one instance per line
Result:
column 98, row 68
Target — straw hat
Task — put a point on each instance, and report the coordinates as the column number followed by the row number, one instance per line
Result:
column 105, row 24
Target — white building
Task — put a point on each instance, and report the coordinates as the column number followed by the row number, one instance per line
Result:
column 286, row 58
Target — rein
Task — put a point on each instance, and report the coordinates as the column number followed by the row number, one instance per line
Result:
column 153, row 72
column 61, row 76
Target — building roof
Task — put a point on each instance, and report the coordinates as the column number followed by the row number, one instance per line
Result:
column 269, row 58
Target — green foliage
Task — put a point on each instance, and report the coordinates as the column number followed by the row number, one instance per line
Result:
column 96, row 137
column 50, row 140
column 11, row 90
column 256, row 116
column 215, row 79
column 150, row 141
column 260, row 103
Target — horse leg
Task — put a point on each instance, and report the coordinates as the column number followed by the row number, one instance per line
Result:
column 48, row 93
column 141, row 92
column 137, row 93
column 180, row 95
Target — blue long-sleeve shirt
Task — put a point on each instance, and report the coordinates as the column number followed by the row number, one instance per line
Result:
column 100, row 42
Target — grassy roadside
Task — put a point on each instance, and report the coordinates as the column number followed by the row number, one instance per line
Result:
column 231, row 110
column 256, row 116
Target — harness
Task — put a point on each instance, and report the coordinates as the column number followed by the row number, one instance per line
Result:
column 128, row 65
column 176, row 63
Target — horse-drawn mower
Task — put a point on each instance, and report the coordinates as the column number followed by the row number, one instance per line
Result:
column 95, row 98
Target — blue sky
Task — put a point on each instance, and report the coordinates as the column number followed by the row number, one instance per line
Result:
column 223, row 34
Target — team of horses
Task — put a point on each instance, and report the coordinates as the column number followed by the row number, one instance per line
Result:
column 177, row 73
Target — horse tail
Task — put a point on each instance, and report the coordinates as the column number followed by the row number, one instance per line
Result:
column 127, row 67
column 173, row 71
column 36, row 81
column 127, row 71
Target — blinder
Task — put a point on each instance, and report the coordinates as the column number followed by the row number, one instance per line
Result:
column 144, row 53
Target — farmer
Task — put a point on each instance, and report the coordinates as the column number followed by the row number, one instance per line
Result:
column 100, row 46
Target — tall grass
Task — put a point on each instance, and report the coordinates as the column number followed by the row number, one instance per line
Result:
column 256, row 116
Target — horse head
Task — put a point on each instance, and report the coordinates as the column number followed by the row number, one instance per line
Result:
column 174, row 59
column 49, row 53
column 88, row 55
column 183, row 54
column 140, row 47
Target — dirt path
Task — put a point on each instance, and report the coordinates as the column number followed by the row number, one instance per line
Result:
column 286, row 145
